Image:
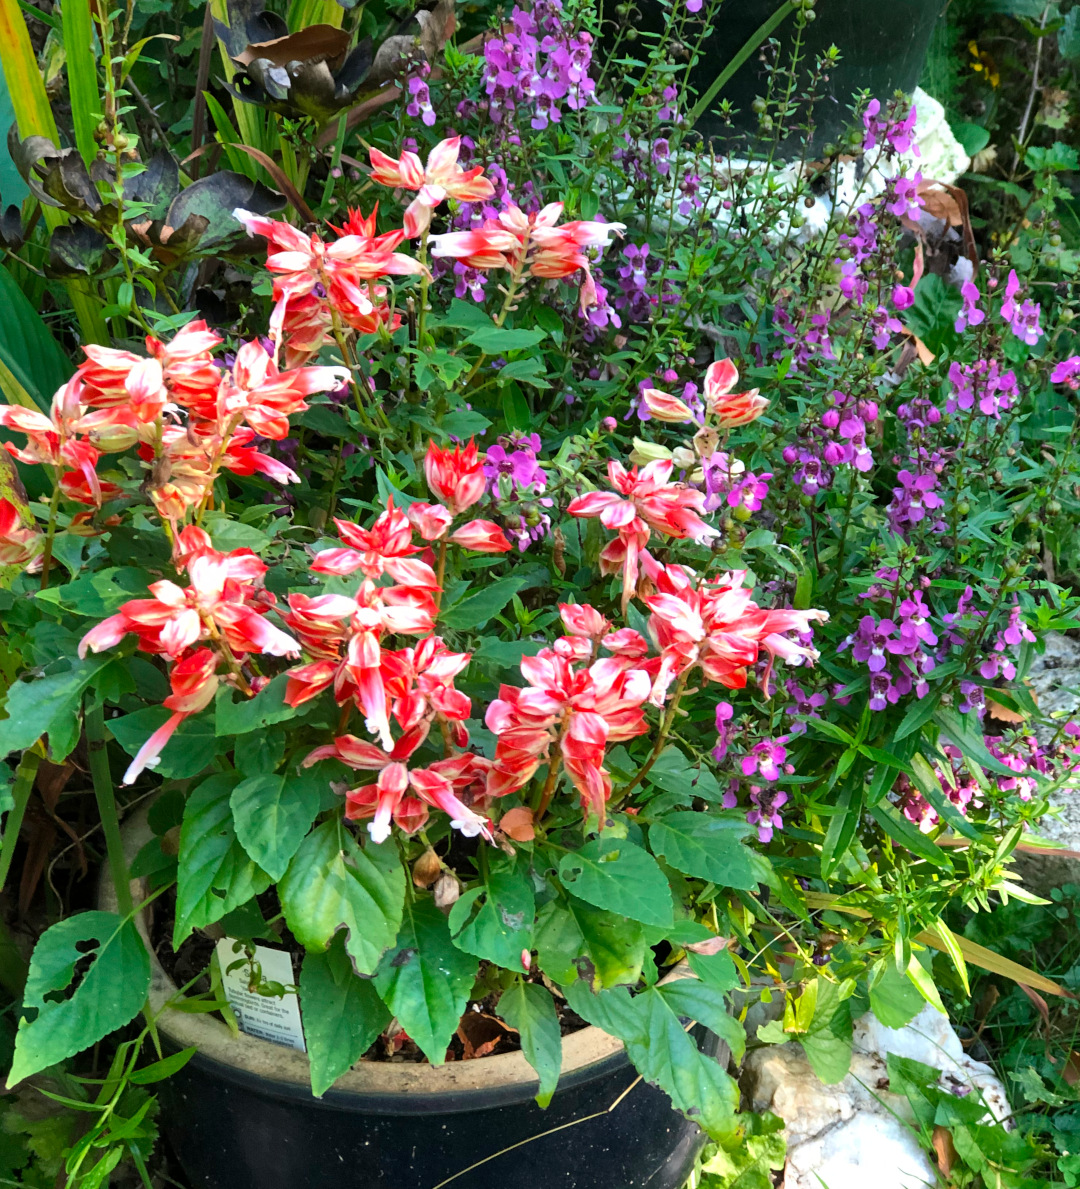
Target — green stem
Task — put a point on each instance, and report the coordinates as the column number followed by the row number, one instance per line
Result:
column 661, row 739
column 24, row 783
column 105, row 793
column 756, row 38
column 50, row 534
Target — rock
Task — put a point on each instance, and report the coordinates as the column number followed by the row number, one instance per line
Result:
column 837, row 1135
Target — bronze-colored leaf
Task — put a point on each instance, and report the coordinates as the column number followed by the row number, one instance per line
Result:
column 518, row 824
column 481, row 1034
column 316, row 43
column 436, row 29
column 944, row 1149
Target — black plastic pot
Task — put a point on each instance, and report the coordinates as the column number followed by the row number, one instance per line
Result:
column 241, row 1115
column 883, row 48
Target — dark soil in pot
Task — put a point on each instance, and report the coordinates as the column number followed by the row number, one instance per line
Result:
column 883, row 48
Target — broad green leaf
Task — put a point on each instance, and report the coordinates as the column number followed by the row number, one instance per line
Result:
column 333, row 884
column 476, row 609
column 529, row 1008
column 618, row 876
column 252, row 714
column 707, row 846
column 575, row 940
column 718, row 970
column 918, row 714
column 827, row 1040
column 747, row 1158
column 189, row 752
column 893, row 997
column 663, row 1052
column 272, row 813
column 343, row 1015
column 99, row 593
column 497, row 340
column 215, row 874
column 695, row 1000
column 59, row 1021
column 426, row 980
column 674, row 773
column 47, row 706
column 27, row 345
column 495, row 920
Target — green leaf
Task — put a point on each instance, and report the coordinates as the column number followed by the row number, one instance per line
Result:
column 426, row 980
column 972, row 137
column 909, row 836
column 252, row 714
column 918, row 713
column 674, row 773
column 574, row 939
column 81, row 61
column 99, row 593
column 529, row 1008
column 190, row 750
column 843, row 824
column 158, row 1071
column 893, row 997
column 707, row 846
column 272, row 812
column 934, row 312
column 927, row 782
column 497, row 340
column 343, row 1015
column 827, row 1041
column 27, row 345
column 969, row 738
column 747, row 1158
column 215, row 874
column 530, row 370
column 464, row 423
column 475, row 610
column 495, row 920
column 620, row 877
column 695, row 1000
column 333, row 884
column 59, row 1021
column 48, row 706
column 663, row 1052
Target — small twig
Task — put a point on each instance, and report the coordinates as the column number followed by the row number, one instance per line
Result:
column 152, row 115
column 1034, row 88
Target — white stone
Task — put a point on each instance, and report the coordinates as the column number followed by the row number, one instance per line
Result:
column 836, row 1135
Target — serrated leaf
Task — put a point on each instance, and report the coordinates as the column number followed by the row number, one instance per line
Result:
column 529, row 1008
column 476, row 609
column 620, row 877
column 695, row 1000
column 333, row 884
column 252, row 714
column 426, row 980
column 47, row 706
column 674, row 773
column 215, row 874
column 707, row 846
column 110, row 993
column 827, row 1040
column 272, row 812
column 495, row 920
column 575, row 940
column 343, row 1015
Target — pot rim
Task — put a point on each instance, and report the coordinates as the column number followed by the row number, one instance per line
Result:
column 589, row 1046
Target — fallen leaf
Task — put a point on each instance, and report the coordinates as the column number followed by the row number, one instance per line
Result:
column 317, row 43
column 944, row 1149
column 1039, row 1001
column 1071, row 1072
column 518, row 824
column 480, row 1034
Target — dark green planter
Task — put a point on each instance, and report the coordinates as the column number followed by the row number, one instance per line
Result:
column 883, row 48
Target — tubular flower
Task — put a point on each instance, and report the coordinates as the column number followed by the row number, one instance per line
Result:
column 404, row 795
column 385, row 548
column 664, row 407
column 443, row 178
column 579, row 710
column 220, row 604
column 730, row 409
column 20, row 545
column 481, row 536
column 455, row 477
column 419, row 682
column 642, row 501
column 54, row 441
column 194, row 683
column 718, row 626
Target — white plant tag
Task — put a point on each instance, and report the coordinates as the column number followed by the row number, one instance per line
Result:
column 264, row 1016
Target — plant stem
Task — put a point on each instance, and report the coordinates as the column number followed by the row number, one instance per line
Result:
column 105, row 793
column 24, row 783
column 440, row 574
column 46, row 559
column 661, row 739
column 553, row 771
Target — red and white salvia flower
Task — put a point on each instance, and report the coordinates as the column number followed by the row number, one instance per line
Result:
column 221, row 604
column 419, row 682
column 442, row 178
column 455, row 476
column 729, row 408
column 663, row 407
column 584, row 621
column 431, row 521
column 717, row 625
column 194, row 683
column 386, row 548
column 258, row 392
column 402, row 794
column 481, row 536
column 20, row 545
column 579, row 710
column 642, row 501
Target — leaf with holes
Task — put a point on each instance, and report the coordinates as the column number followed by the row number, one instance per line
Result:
column 215, row 874
column 576, row 940
column 495, row 920
column 333, row 884
column 343, row 1015
column 60, row 1021
column 529, row 1008
column 621, row 877
column 426, row 980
